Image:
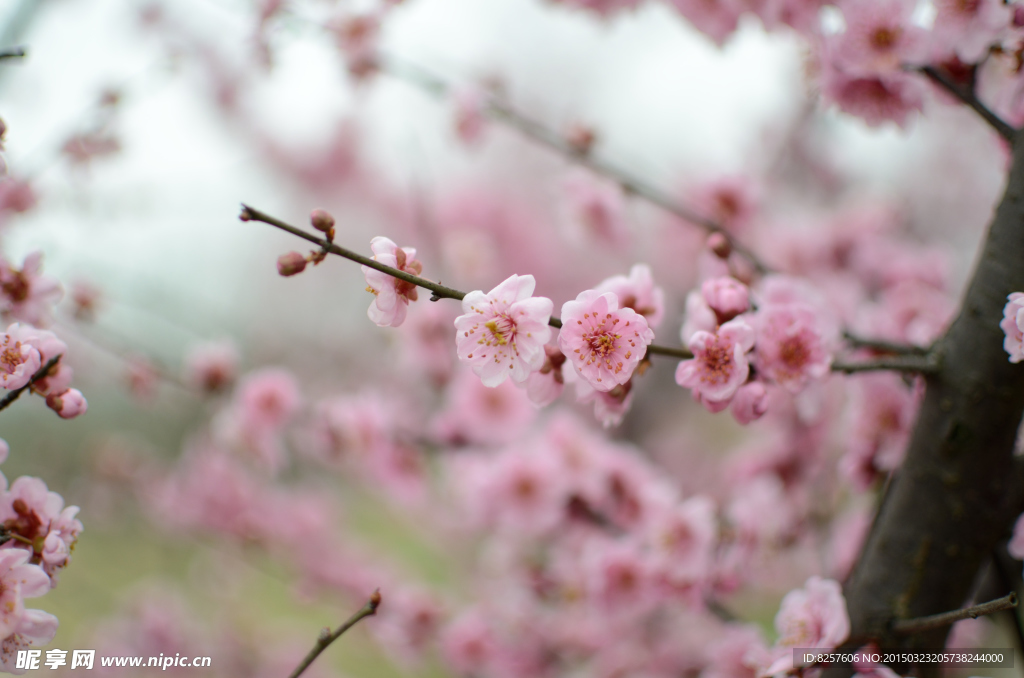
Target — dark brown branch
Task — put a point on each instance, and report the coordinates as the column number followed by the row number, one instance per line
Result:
column 920, row 364
column 13, row 53
column 883, row 346
column 954, row 497
column 40, row 374
column 327, row 636
column 906, row 627
column 967, row 96
column 558, row 143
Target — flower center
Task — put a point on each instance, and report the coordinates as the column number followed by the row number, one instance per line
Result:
column 16, row 287
column 884, row 38
column 717, row 361
column 794, row 353
column 11, row 358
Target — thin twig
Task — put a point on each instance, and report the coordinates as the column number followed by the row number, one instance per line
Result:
column 883, row 345
column 40, row 374
column 966, row 95
column 327, row 637
column 920, row 364
column 13, row 53
column 936, row 621
column 1005, row 579
column 551, row 139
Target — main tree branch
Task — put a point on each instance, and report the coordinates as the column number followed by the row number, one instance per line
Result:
column 955, row 496
column 558, row 143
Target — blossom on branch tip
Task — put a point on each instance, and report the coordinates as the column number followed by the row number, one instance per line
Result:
column 69, row 404
column 392, row 296
column 812, row 617
column 603, row 342
column 502, row 333
column 1012, row 325
column 719, row 366
column 291, row 263
column 19, row 359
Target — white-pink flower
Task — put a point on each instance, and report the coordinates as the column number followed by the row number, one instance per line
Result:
column 791, row 348
column 18, row 580
column 391, row 295
column 603, row 342
column 879, row 37
column 25, row 294
column 19, row 359
column 637, row 292
column 726, row 296
column 812, row 617
column 1013, row 326
column 719, row 365
column 502, row 333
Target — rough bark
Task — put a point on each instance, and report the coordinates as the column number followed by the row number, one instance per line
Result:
column 954, row 497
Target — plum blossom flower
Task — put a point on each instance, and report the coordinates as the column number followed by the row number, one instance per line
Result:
column 970, row 28
column 597, row 208
column 502, row 333
column 212, row 366
column 719, row 366
column 477, row 414
column 879, row 36
column 68, row 404
column 717, row 20
column 874, row 98
column 881, row 414
column 46, row 528
column 750, row 402
column 726, row 296
column 1013, row 326
column 34, row 628
column 609, row 406
column 812, row 617
column 637, row 292
column 18, row 580
column 392, row 296
column 545, row 385
column 19, row 359
column 791, row 347
column 603, row 342
column 25, row 294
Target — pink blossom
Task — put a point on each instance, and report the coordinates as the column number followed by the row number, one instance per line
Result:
column 717, row 20
column 143, row 377
column 477, row 414
column 683, row 537
column 18, row 580
column 502, row 333
column 267, row 398
column 603, row 342
column 545, row 385
column 597, row 207
column 68, row 404
column 848, row 534
column 726, row 296
column 25, row 294
column 34, row 628
column 211, row 366
column 879, row 37
column 19, row 359
column 882, row 411
column 791, row 347
column 523, row 493
column 40, row 519
column 739, row 652
column 1013, row 326
column 637, row 292
column 761, row 511
column 609, row 406
column 750, row 402
column 812, row 617
column 470, row 105
column 970, row 27
column 291, row 263
column 86, row 297
column 391, row 295
column 699, row 317
column 356, row 36
column 604, row 8
column 729, row 201
column 426, row 342
column 619, row 576
column 875, row 99
column 468, row 643
column 719, row 366
column 1016, row 545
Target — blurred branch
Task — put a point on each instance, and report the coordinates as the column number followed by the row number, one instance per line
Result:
column 921, row 364
column 965, row 93
column 935, row 621
column 40, row 374
column 327, row 636
column 12, row 53
column 558, row 143
column 883, row 345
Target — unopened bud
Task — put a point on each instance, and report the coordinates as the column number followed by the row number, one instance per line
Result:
column 581, row 138
column 68, row 404
column 291, row 263
column 321, row 220
column 720, row 245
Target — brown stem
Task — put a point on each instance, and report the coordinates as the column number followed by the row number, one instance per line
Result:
column 965, row 93
column 40, row 374
column 883, row 345
column 955, row 495
column 327, row 637
column 910, row 363
column 936, row 621
column 541, row 134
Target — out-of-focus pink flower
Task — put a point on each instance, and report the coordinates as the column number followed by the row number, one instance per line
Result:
column 82, row 149
column 881, row 413
column 19, row 359
column 68, row 404
column 719, row 366
column 875, row 99
column 698, row 317
column 468, row 643
column 637, row 292
column 812, row 617
column 880, row 36
column 391, row 295
column 726, row 296
column 502, row 333
column 603, row 8
column 683, row 538
column 34, row 629
column 26, row 294
column 86, row 298
column 604, row 343
column 848, row 534
column 268, row 398
column 970, row 28
column 597, row 207
column 609, row 406
column 523, row 493
column 16, row 196
column 750, row 402
column 717, row 20
column 739, row 652
column 212, row 366
column 545, row 385
column 1013, row 326
column 729, row 201
column 792, row 349
column 426, row 342
column 470, row 106
column 477, row 414
column 143, row 377
column 356, row 36
column 619, row 576
column 761, row 510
